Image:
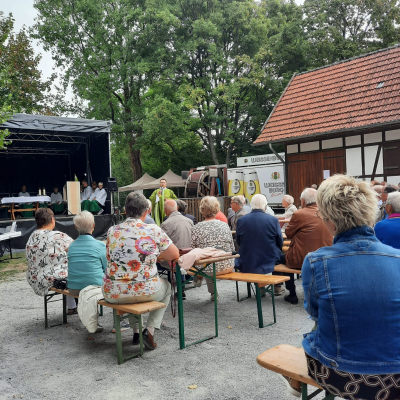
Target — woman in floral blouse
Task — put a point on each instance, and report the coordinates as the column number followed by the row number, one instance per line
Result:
column 46, row 253
column 213, row 233
column 131, row 275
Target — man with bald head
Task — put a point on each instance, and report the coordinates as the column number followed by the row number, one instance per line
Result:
column 176, row 226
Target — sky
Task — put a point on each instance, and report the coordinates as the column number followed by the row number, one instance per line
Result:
column 24, row 14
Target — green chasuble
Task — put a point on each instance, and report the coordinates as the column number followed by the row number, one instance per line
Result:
column 158, row 212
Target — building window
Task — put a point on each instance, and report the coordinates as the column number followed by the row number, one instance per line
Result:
column 292, row 148
column 310, row 146
column 332, row 143
column 353, row 140
column 373, row 137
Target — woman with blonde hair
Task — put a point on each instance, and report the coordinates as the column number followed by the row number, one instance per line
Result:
column 352, row 293
column 213, row 233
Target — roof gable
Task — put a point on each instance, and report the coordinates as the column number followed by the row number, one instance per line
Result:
column 339, row 97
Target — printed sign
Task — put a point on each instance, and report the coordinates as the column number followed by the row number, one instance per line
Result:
column 259, row 160
column 272, row 183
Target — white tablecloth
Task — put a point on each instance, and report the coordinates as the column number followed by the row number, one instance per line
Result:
column 20, row 200
column 9, row 235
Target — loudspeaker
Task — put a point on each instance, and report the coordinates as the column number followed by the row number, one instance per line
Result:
column 112, row 185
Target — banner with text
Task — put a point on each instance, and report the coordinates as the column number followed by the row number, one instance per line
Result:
column 272, row 182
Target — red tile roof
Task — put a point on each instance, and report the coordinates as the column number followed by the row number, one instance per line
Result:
column 342, row 96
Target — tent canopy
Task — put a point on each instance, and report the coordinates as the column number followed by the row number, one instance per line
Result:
column 173, row 180
column 139, row 184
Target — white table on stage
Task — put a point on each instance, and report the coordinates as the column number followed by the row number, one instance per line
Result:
column 24, row 200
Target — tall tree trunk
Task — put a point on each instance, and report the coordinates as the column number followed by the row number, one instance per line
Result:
column 136, row 165
column 212, row 146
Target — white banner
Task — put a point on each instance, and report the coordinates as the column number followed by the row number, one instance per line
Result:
column 272, row 182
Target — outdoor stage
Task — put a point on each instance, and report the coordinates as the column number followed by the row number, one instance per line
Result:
column 63, row 224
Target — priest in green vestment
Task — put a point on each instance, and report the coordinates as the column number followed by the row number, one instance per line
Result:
column 157, row 199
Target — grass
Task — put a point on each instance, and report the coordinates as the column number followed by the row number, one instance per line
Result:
column 12, row 267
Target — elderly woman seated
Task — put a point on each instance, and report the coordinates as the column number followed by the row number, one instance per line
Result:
column 213, row 233
column 131, row 276
column 290, row 208
column 86, row 256
column 352, row 293
column 46, row 254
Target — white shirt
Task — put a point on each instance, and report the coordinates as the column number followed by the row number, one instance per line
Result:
column 270, row 211
column 94, row 194
column 101, row 196
column 87, row 192
column 24, row 194
column 56, row 198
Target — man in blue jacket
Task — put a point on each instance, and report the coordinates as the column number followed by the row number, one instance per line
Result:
column 260, row 240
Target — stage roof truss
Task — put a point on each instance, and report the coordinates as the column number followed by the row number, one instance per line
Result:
column 50, row 137
column 12, row 151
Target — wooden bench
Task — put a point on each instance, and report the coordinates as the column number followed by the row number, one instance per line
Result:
column 291, row 361
column 284, row 268
column 118, row 310
column 259, row 281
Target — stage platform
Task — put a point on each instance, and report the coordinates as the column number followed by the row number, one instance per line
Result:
column 63, row 224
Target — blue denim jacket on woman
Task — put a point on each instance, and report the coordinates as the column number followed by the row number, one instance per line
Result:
column 352, row 291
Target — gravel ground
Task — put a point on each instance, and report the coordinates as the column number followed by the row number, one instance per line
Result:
column 66, row 362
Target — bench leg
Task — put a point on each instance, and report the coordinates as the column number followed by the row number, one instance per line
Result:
column 248, row 292
column 117, row 324
column 141, row 334
column 259, row 307
column 305, row 396
column 64, row 301
column 215, row 301
column 46, row 323
column 273, row 301
column 180, row 307
column 101, row 311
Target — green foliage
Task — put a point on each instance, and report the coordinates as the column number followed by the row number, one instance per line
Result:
column 341, row 29
column 22, row 88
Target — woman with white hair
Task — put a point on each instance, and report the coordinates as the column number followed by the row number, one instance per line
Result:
column 290, row 208
column 352, row 293
column 87, row 260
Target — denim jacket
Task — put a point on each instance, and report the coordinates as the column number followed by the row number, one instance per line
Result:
column 352, row 291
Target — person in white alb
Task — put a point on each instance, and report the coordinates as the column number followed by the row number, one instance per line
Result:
column 24, row 193
column 97, row 200
column 56, row 201
column 87, row 191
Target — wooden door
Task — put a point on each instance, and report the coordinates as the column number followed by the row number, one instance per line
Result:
column 307, row 169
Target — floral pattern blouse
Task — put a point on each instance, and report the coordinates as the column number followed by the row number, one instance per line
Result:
column 132, row 251
column 215, row 234
column 46, row 253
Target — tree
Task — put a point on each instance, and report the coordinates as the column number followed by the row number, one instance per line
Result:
column 112, row 51
column 341, row 29
column 222, row 72
column 23, row 90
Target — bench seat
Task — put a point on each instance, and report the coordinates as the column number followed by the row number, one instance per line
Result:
column 291, row 361
column 284, row 268
column 260, row 279
column 118, row 309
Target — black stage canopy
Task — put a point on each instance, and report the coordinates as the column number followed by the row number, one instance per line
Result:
column 47, row 151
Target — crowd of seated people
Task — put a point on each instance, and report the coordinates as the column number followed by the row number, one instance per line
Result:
column 335, row 243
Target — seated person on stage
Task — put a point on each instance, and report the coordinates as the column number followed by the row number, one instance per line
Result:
column 86, row 205
column 131, row 275
column 290, row 208
column 46, row 254
column 97, row 199
column 182, row 206
column 307, row 233
column 212, row 233
column 87, row 260
column 158, row 198
column 148, row 219
column 56, row 203
column 178, row 228
column 352, row 294
column 388, row 230
column 260, row 241
column 24, row 193
column 85, row 195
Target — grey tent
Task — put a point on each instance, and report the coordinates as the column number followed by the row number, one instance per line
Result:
column 139, row 184
column 173, row 180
